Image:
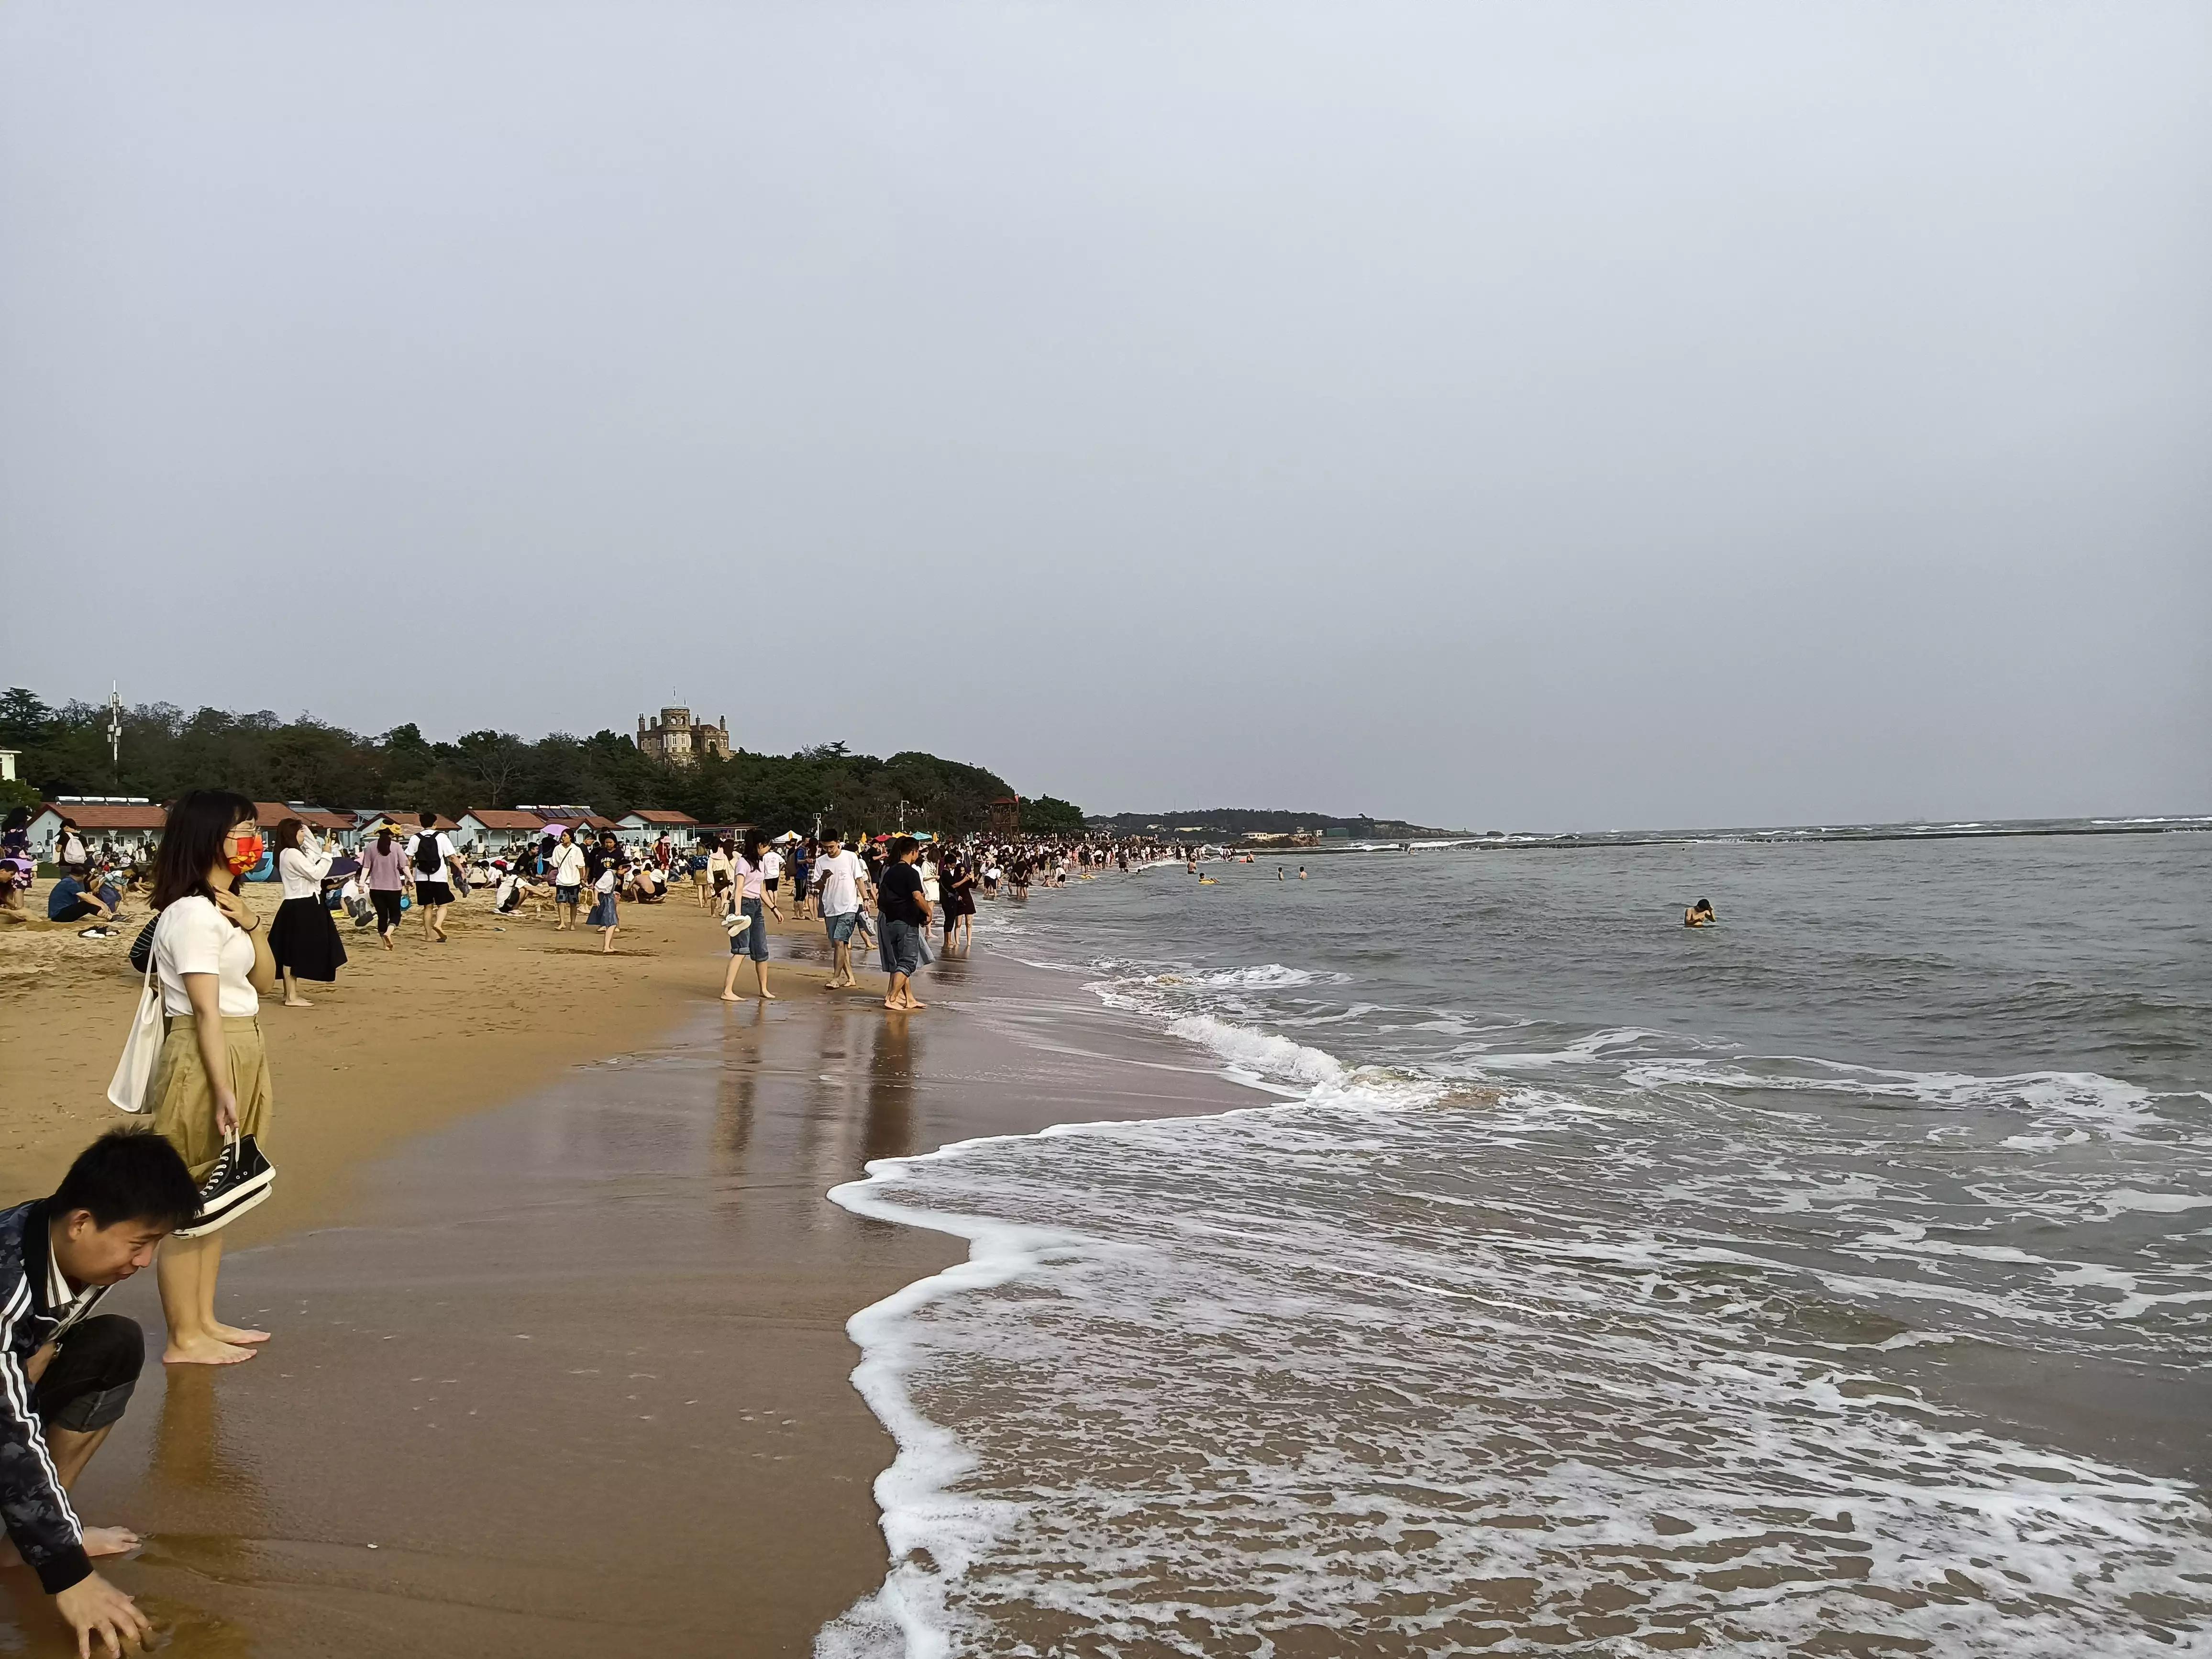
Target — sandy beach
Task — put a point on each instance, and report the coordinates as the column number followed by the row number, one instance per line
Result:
column 560, row 1362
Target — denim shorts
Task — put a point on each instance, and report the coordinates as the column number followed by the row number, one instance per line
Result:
column 904, row 949
column 839, row 928
column 753, row 941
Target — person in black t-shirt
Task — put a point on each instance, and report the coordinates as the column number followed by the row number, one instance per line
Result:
column 905, row 912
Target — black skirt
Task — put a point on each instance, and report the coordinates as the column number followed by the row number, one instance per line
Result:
column 304, row 939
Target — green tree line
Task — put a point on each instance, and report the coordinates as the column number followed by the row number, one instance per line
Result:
column 165, row 751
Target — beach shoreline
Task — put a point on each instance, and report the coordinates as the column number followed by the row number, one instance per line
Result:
column 492, row 1134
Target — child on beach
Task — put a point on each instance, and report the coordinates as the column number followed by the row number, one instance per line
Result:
column 605, row 915
column 70, row 1372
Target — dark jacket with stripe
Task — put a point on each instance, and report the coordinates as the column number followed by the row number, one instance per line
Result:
column 33, row 1505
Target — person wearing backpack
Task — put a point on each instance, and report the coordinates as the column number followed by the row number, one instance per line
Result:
column 431, row 857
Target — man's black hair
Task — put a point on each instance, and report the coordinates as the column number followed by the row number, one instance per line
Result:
column 130, row 1174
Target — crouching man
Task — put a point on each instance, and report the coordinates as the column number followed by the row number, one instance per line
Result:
column 66, row 1373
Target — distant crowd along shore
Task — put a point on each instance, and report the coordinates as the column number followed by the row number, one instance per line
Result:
column 894, row 894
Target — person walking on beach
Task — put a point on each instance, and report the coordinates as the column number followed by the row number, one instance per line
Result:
column 604, row 869
column 905, row 914
column 385, row 867
column 958, row 881
column 838, row 880
column 569, row 868
column 430, row 855
column 70, row 850
column 303, row 939
column 68, row 1372
column 718, row 871
column 749, row 900
column 771, row 869
column 802, row 895
column 210, row 1085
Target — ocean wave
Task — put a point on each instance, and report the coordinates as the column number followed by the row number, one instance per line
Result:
column 1199, row 1377
column 2108, row 1107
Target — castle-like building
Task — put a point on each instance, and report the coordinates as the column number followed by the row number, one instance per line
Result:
column 674, row 738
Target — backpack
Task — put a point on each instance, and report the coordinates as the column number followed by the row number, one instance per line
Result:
column 427, row 857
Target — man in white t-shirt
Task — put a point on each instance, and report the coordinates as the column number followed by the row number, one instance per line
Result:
column 431, row 857
column 841, row 881
column 771, row 869
column 567, row 882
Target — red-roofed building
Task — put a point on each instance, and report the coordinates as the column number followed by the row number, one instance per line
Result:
column 131, row 826
column 495, row 828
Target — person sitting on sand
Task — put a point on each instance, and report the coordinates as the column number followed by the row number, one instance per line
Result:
column 1700, row 914
column 67, row 1373
column 78, row 900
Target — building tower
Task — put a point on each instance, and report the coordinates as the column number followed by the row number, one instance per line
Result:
column 675, row 740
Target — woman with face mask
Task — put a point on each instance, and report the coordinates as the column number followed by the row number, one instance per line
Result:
column 211, row 1083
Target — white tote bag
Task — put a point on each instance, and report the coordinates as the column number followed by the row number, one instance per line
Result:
column 134, row 1073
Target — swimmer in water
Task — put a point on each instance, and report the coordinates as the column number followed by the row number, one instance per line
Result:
column 1302, row 872
column 1700, row 914
column 1280, row 876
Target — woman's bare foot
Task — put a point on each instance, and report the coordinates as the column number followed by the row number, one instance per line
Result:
column 297, row 1002
column 244, row 1337
column 767, row 996
column 109, row 1540
column 915, row 1007
column 731, row 996
column 204, row 1351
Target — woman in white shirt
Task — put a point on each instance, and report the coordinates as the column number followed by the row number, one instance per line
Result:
column 303, row 938
column 212, row 1082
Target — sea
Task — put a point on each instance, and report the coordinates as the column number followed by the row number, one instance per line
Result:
column 1829, row 1281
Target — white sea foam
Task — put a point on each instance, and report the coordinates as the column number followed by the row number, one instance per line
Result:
column 1210, row 1383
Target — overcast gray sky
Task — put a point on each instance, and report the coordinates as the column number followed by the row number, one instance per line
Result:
column 1546, row 414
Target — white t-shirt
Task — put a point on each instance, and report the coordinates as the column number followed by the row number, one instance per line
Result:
column 445, row 852
column 193, row 936
column 771, row 864
column 568, row 866
column 841, row 882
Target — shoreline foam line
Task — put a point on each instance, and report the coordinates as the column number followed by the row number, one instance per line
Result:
column 919, row 1512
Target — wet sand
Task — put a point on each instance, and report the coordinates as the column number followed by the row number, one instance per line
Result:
column 576, row 1366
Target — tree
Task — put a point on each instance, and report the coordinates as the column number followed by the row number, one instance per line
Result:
column 1047, row 815
column 497, row 760
column 23, row 718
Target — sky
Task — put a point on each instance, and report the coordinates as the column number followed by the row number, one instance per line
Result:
column 1496, row 415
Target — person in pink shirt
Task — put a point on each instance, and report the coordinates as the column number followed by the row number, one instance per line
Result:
column 384, row 867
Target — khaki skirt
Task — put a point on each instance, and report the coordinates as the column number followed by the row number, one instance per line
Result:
column 183, row 1105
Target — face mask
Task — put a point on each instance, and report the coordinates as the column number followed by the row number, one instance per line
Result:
column 244, row 856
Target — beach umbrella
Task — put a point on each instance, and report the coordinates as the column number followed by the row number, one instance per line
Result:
column 341, row 868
